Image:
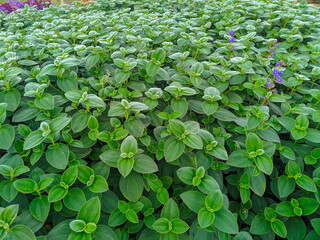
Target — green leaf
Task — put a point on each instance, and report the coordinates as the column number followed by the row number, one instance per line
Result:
column 19, row 232
column 161, row 225
column 33, row 140
column 122, row 76
column 279, row 228
column 308, row 205
column 240, row 159
column 134, row 126
column 58, row 155
column 131, row 186
column 192, row 140
column 214, row 200
column 116, row 110
column 224, row 115
column 39, row 208
column 205, row 218
column 70, row 175
column 180, row 105
column 169, row 236
column 186, row 174
column 7, row 134
column 74, row 199
column 57, row 124
column 144, row 164
column 288, row 153
column 316, row 224
column 170, row 210
column 253, row 143
column 225, row 221
column 306, row 183
column 152, row 68
column 264, row 163
column 90, row 211
column 132, row 216
column 60, row 231
column 129, row 145
column 285, row 209
column 79, row 236
column 296, row 229
column 116, row 218
column 77, row 225
column 298, row 134
column 12, row 97
column 286, row 186
column 9, row 213
column 194, row 200
column 209, row 108
column 25, row 185
column 219, row 152
column 57, row 193
column 208, row 184
column 125, row 165
column 173, row 149
column 158, row 55
column 260, row 225
column 92, row 60
column 179, row 226
column 99, row 185
column 177, row 127
column 79, row 121
column 7, row 190
column 45, row 101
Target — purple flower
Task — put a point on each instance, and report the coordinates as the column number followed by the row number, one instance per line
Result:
column 280, row 72
column 278, row 64
column 276, row 46
column 279, row 80
column 239, row 54
column 264, row 97
column 268, row 79
column 231, row 32
column 268, row 84
column 271, row 49
column 272, row 54
column 232, row 39
column 233, row 48
column 275, row 72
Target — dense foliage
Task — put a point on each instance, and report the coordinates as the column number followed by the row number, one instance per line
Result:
column 160, row 120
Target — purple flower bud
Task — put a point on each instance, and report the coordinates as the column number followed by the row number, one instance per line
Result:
column 280, row 72
column 272, row 54
column 232, row 39
column 231, row 32
column 233, row 48
column 264, row 97
column 276, row 46
column 239, row 54
column 268, row 84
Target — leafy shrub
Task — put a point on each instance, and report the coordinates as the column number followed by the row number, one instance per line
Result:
column 160, row 120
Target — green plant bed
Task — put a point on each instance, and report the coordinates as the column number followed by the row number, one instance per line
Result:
column 160, row 120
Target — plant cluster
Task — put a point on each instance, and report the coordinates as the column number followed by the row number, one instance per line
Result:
column 158, row 119
column 13, row 5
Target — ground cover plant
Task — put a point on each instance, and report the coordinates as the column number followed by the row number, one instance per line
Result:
column 160, row 120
